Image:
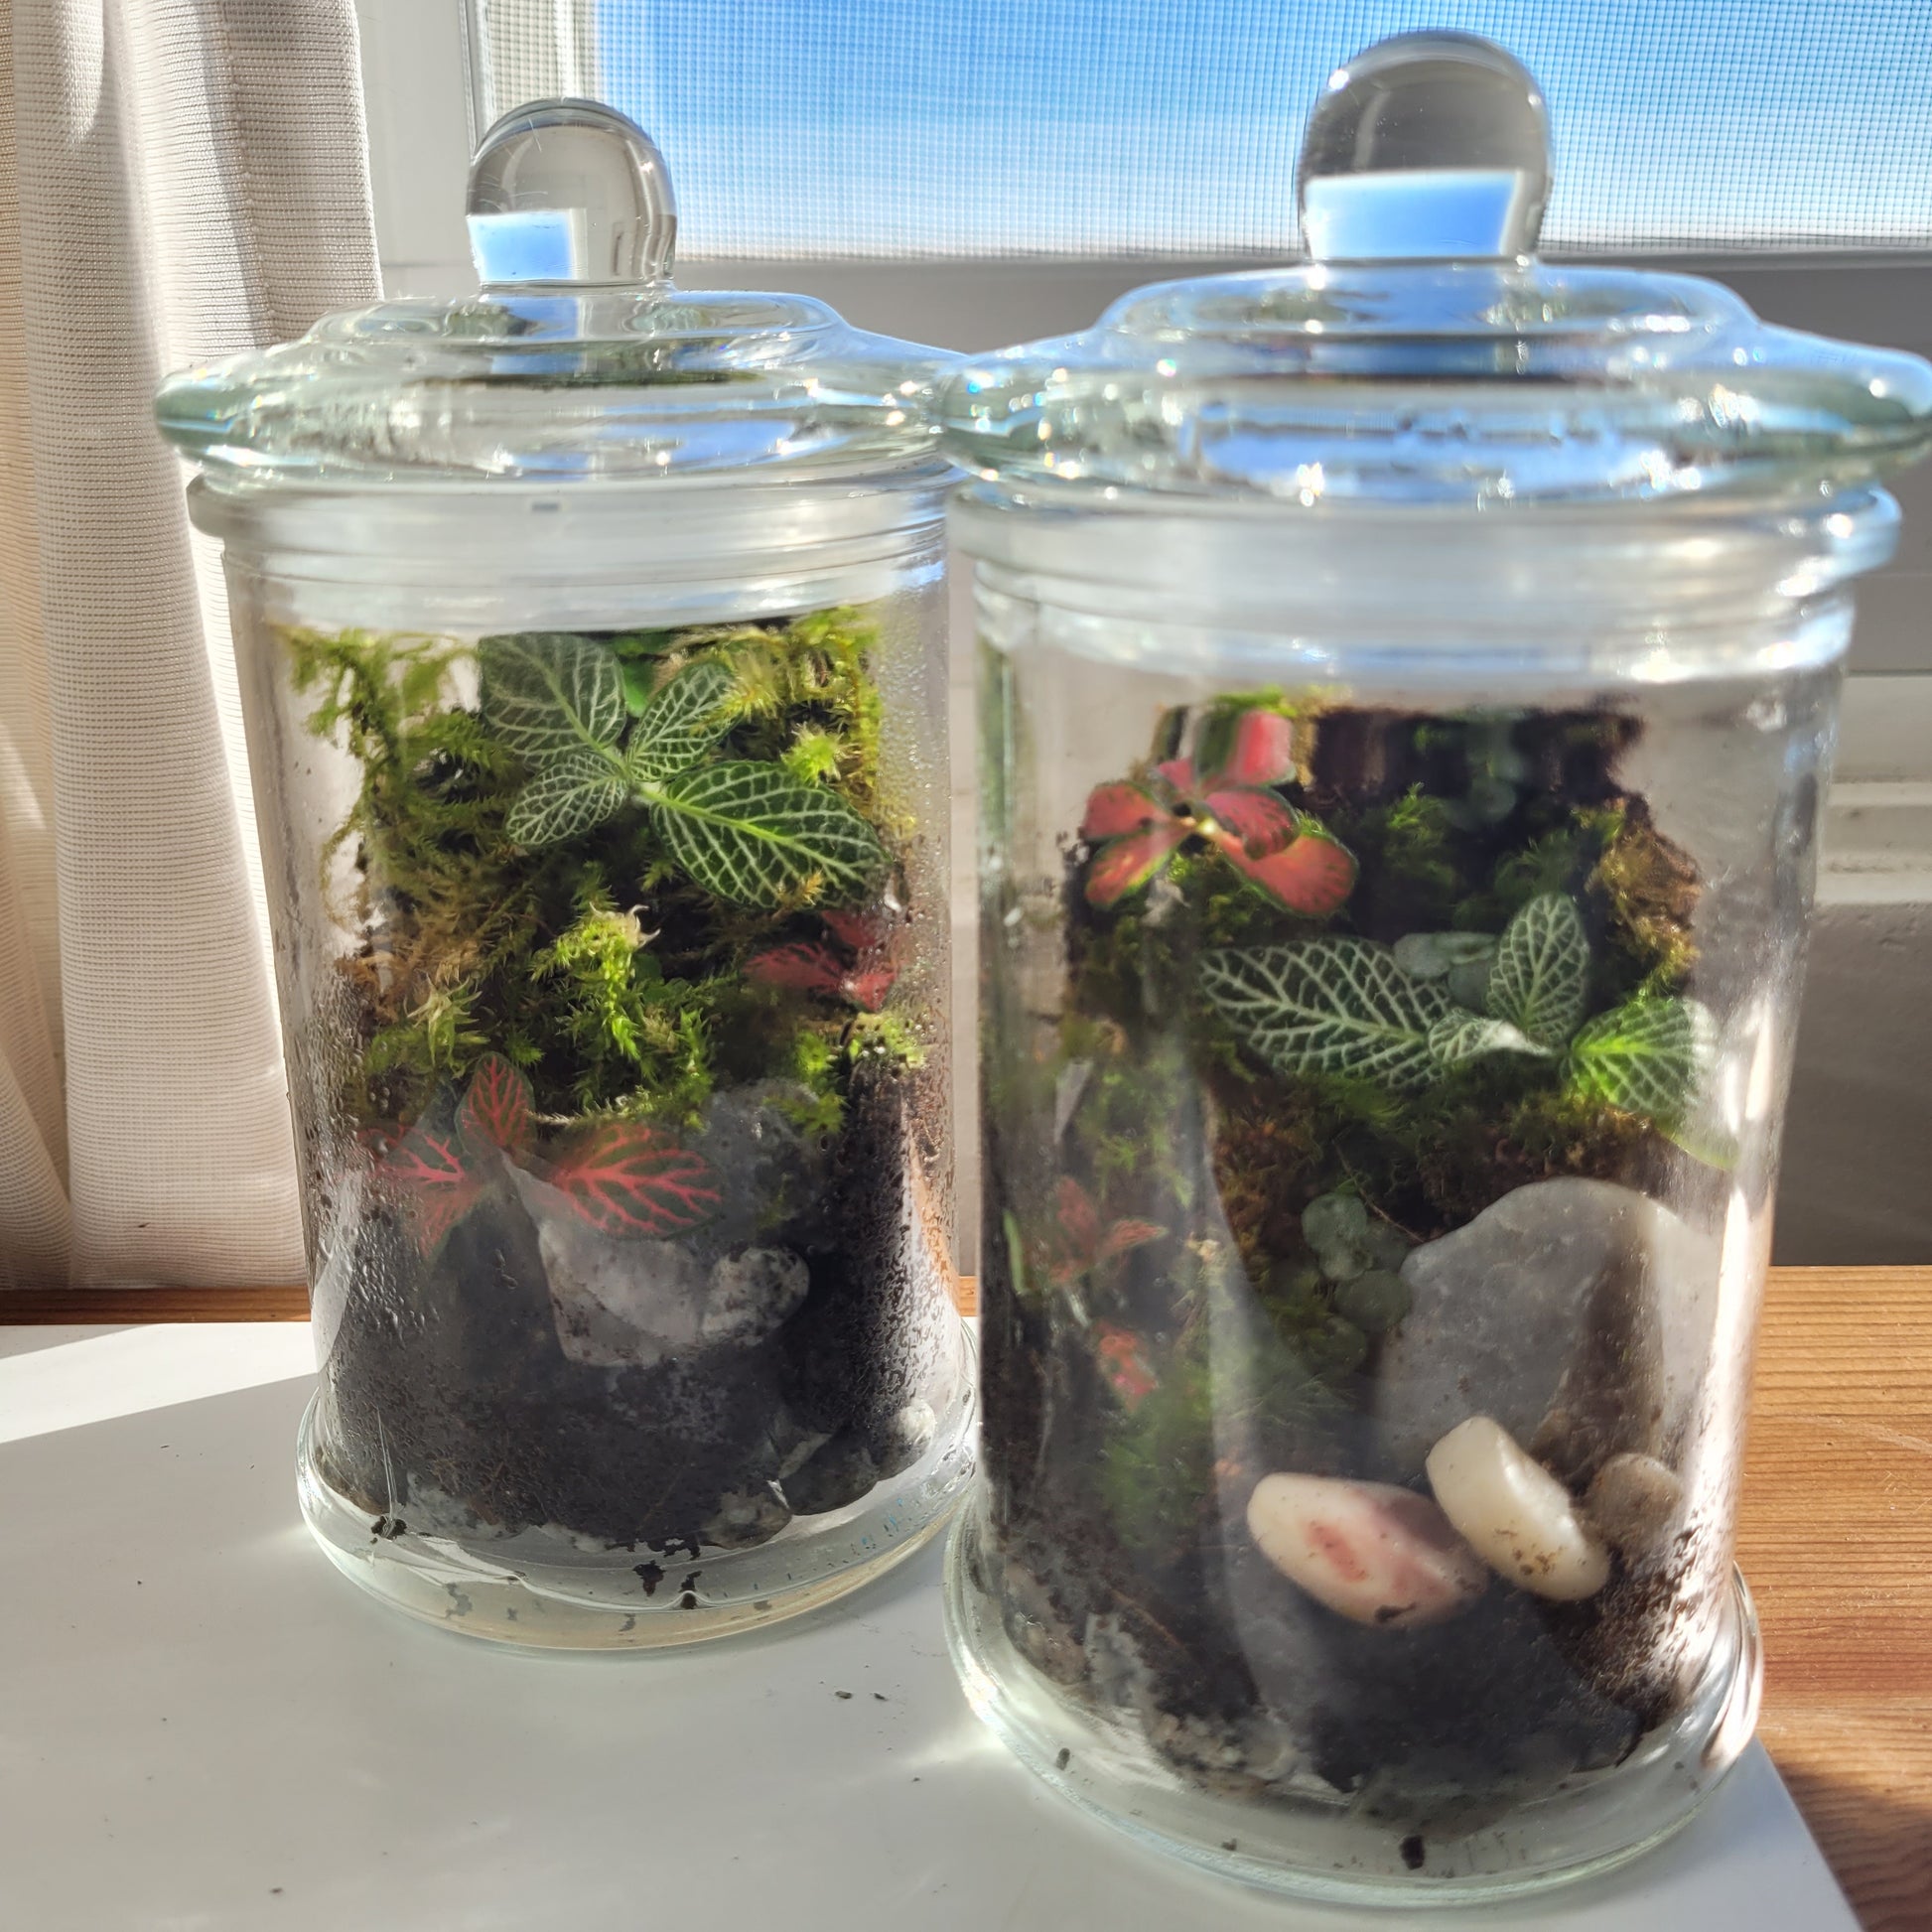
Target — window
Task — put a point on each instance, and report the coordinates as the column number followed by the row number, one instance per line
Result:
column 1003, row 127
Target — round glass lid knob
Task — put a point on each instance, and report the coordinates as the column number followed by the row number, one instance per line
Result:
column 1427, row 147
column 570, row 194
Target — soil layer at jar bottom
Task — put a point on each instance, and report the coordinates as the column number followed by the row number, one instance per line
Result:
column 462, row 1402
column 1418, row 1004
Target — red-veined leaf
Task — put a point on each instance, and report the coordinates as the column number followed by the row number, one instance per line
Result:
column 625, row 1177
column 1124, row 1362
column 1128, row 863
column 1260, row 752
column 1312, row 875
column 1263, row 821
column 1078, row 1216
column 1115, row 810
column 1125, row 1236
column 866, row 986
column 496, row 1112
column 861, row 931
column 437, row 1189
column 803, row 966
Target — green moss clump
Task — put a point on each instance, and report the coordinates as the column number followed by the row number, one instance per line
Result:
column 615, row 983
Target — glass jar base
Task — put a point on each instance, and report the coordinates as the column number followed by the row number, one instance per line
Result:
column 1322, row 1845
column 540, row 1589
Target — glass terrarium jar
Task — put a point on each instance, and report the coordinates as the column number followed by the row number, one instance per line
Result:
column 1407, row 683
column 591, row 646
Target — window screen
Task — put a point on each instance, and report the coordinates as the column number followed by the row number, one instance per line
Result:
column 1110, row 127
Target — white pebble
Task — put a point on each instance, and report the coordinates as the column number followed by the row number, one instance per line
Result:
column 1515, row 1514
column 1367, row 1550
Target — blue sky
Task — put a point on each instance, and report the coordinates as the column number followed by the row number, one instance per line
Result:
column 830, row 127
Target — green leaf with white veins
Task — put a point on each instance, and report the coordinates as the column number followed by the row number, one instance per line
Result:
column 548, row 693
column 1329, row 1006
column 1467, row 1036
column 754, row 834
column 569, row 796
column 1540, row 982
column 679, row 725
column 1646, row 1057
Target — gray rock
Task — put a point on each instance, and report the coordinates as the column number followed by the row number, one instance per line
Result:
column 752, row 1295
column 617, row 1302
column 746, row 1518
column 904, row 1438
column 1544, row 1313
column 834, row 1476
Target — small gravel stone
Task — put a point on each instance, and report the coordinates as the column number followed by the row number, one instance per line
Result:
column 1635, row 1500
column 754, row 1293
column 1374, row 1302
column 1515, row 1514
column 835, row 1476
column 746, row 1518
column 1370, row 1552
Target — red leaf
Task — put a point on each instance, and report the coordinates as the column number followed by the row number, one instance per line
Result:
column 1115, row 810
column 1178, row 772
column 1124, row 1362
column 1128, row 863
column 496, row 1112
column 861, row 931
column 1125, row 1235
column 1261, row 752
column 437, row 1189
column 803, row 966
column 1312, row 875
column 1079, row 1218
column 624, row 1178
column 1261, row 820
column 868, row 986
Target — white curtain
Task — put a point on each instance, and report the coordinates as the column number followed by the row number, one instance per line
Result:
column 178, row 180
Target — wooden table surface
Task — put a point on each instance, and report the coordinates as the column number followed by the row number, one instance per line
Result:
column 1835, row 1537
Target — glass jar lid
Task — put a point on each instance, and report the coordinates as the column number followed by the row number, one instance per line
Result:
column 579, row 357
column 1423, row 353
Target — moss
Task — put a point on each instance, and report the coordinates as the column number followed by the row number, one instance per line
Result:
column 615, row 984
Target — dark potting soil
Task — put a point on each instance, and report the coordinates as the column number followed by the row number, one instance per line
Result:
column 451, row 1378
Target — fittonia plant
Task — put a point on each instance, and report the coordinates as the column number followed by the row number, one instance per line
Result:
column 1358, row 1009
column 743, row 829
column 1226, row 798
column 619, row 1178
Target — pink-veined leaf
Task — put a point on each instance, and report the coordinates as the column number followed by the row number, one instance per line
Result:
column 866, row 986
column 802, row 966
column 1260, row 752
column 629, row 1179
column 861, row 931
column 1078, row 1217
column 1113, row 811
column 1312, row 875
column 438, row 1190
column 1124, row 1236
column 496, row 1112
column 1263, row 821
column 1128, row 863
column 1123, row 1360
column 1178, row 772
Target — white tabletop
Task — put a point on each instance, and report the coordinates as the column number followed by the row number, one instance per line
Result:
column 204, row 1729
